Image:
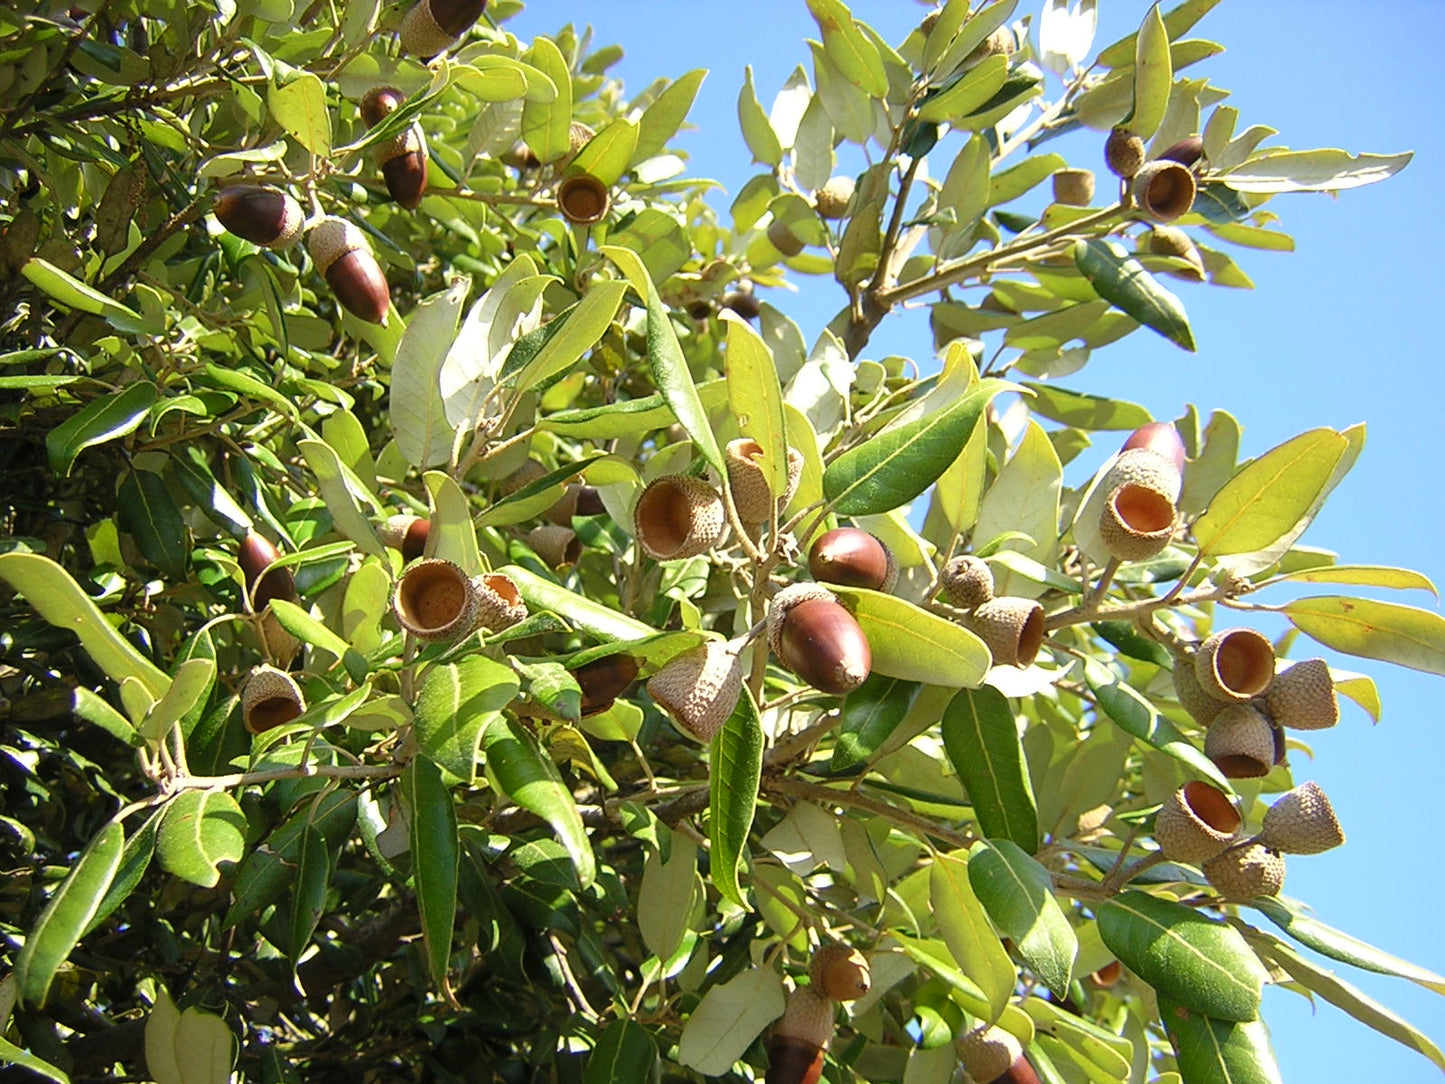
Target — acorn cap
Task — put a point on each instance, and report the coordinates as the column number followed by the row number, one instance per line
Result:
column 1161, row 438
column 967, row 581
column 1123, row 153
column 1000, row 43
column 583, row 199
column 422, row 34
column 992, row 1054
column 1012, row 628
column 261, row 214
column 555, row 544
column 839, row 972
column 408, row 534
column 851, row 557
column 833, row 198
column 435, row 600
column 567, row 505
column 700, row 687
column 578, row 136
column 1247, row 871
column 1196, row 824
column 270, row 698
column 678, row 515
column 785, row 600
column 1171, row 241
column 1136, row 523
column 1241, row 742
column 799, row 1041
column 499, row 603
column 1074, row 187
column 1164, row 190
column 784, row 239
column 823, row 644
column 1302, row 696
column 1302, row 821
column 751, row 496
column 1235, row 664
column 343, row 256
column 1192, row 698
column 1147, row 467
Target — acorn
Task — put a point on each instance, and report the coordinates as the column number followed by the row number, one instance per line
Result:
column 1143, row 466
column 1235, row 665
column 435, row 600
column 499, row 603
column 269, row 699
column 1108, row 975
column 677, row 516
column 699, row 308
column 1241, row 742
column 522, row 477
column 434, row 26
column 967, row 581
column 555, row 544
column 1302, row 696
column 1169, row 241
column 1000, row 43
column 1186, row 151
column 833, row 198
column 839, row 972
column 852, row 558
column 1136, row 522
column 1012, row 628
column 603, row 680
column 261, row 214
column 1162, row 439
column 751, row 496
column 583, row 199
column 700, row 687
column 1302, row 821
column 798, row 1045
column 1196, row 824
column 743, row 303
column 993, row 1056
column 784, row 239
column 1164, row 190
column 1192, row 697
column 520, row 157
column 408, row 534
column 256, row 555
column 819, row 640
column 1246, row 871
column 344, row 258
column 1074, row 187
column 404, row 158
column 1123, row 153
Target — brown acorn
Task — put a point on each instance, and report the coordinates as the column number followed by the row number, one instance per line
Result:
column 408, row 534
column 1186, row 151
column 583, row 199
column 499, row 603
column 993, row 1056
column 821, row 642
column 1169, row 241
column 256, row 555
column 1164, row 190
column 403, row 159
column 1074, row 187
column 1235, row 664
column 1123, row 153
column 833, row 198
column 678, row 516
column 261, row 214
column 839, row 972
column 967, row 581
column 1161, row 438
column 270, row 698
column 743, row 303
column 434, row 26
column 1012, row 628
column 603, row 680
column 1246, row 871
column 1302, row 821
column 699, row 308
column 1241, row 742
column 435, row 600
column 700, row 687
column 1197, row 823
column 799, row 1043
column 852, row 558
column 344, row 258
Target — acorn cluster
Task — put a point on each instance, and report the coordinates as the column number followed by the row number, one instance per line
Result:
column 1011, row 627
column 1162, row 189
column 799, row 1042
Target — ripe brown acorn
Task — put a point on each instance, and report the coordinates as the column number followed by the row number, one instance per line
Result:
column 408, row 534
column 404, row 158
column 993, row 1056
column 743, row 303
column 261, row 214
column 603, row 680
column 852, row 558
column 257, row 554
column 1186, row 151
column 344, row 259
column 824, row 645
column 433, row 26
column 380, row 102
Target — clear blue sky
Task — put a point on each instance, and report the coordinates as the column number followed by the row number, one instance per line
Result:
column 1336, row 333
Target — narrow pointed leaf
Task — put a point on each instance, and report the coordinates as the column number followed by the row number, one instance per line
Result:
column 452, row 536
column 455, row 702
column 1018, row 894
column 735, row 767
column 1401, row 579
column 966, row 931
column 579, row 611
column 850, row 50
column 1136, row 715
column 202, row 829
column 871, row 713
column 910, row 643
column 346, row 496
column 436, row 855
column 191, row 684
column 68, row 913
column 75, row 294
column 756, row 398
column 982, row 742
column 608, row 154
column 1325, row 170
column 11, row 1054
column 661, row 120
column 757, row 131
column 1210, row 1051
column 1153, row 76
column 104, row 419
column 308, row 899
column 135, row 859
column 1374, row 630
column 1123, row 282
column 149, row 514
column 1204, row 964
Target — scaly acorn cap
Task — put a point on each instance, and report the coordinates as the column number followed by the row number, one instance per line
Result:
column 555, row 544
column 823, row 644
column 1247, row 871
column 1164, row 190
column 583, row 199
column 751, row 496
column 435, row 600
column 799, row 1042
column 343, row 256
column 1302, row 821
column 522, row 477
column 991, row 1054
column 1123, row 153
column 833, row 198
column 1235, row 664
column 1302, row 696
column 700, row 687
column 1074, row 187
column 1172, row 241
column 499, row 603
column 434, row 26
column 677, row 516
column 270, row 698
column 407, row 534
column 785, row 600
column 1196, row 824
column 1240, row 742
column 404, row 166
column 1000, row 43
column 967, row 581
column 1012, row 628
column 1193, row 698
column 260, row 214
column 1136, row 522
column 784, row 239
column 839, row 972
column 851, row 557
column 1146, row 467
column 578, row 136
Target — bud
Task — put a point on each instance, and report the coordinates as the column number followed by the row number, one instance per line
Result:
column 261, row 214
column 344, row 259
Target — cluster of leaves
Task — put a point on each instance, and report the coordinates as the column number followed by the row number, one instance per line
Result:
column 443, row 869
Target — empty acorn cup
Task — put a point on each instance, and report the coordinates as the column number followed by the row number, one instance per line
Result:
column 583, row 199
column 1196, row 824
column 1241, row 742
column 751, row 495
column 1235, row 664
column 1164, row 190
column 435, row 600
column 1192, row 697
column 1137, row 522
column 555, row 544
column 499, row 603
column 1012, row 628
column 678, row 515
column 269, row 699
column 700, row 687
column 1074, row 187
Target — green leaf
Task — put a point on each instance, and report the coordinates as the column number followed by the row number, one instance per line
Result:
column 268, row 870
column 308, row 630
column 452, row 535
column 1177, row 21
column 850, row 50
column 757, row 131
column 1134, row 714
column 1153, row 76
column 72, row 293
column 1092, row 412
column 68, row 914
column 61, row 601
column 982, row 742
column 1010, row 184
column 1341, row 946
column 727, row 1020
column 1018, row 894
column 640, row 415
column 1386, row 631
column 661, row 120
column 735, row 766
column 1401, row 579
column 308, row 901
column 418, row 415
column 190, row 685
column 346, row 495
column 1209, row 1051
column 527, row 775
column 300, row 108
column 564, row 345
column 435, row 855
column 966, row 94
column 666, row 897
column 205, row 1048
column 625, row 1054
column 1203, row 964
column 670, row 372
column 966, row 931
column 871, row 713
column 455, row 702
column 247, row 385
column 101, row 420
column 756, row 398
column 93, row 709
column 202, row 829
column 608, row 154
column 891, row 468
column 546, row 125
column 1123, row 282
column 11, row 1054
column 150, row 516
column 956, row 34
column 910, row 643
column 1325, row 170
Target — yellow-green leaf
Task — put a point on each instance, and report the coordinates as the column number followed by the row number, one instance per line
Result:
column 1373, row 630
column 1153, row 76
column 966, row 931
column 910, row 643
column 300, row 108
